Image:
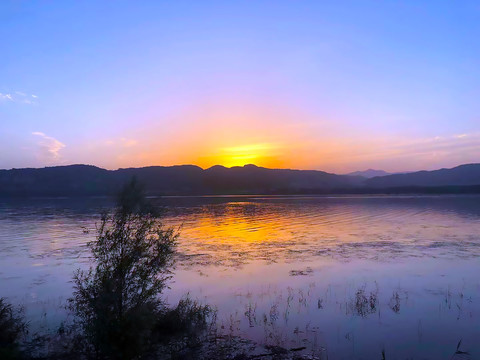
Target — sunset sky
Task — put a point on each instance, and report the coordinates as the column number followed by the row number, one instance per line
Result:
column 329, row 85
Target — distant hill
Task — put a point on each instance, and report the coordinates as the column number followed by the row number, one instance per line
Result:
column 77, row 180
column 86, row 180
column 369, row 173
column 463, row 175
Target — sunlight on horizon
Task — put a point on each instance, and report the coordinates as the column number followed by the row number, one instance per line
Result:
column 256, row 154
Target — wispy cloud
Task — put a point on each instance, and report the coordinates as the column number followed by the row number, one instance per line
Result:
column 6, row 97
column 49, row 147
column 18, row 97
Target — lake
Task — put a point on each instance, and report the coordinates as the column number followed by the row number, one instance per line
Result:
column 348, row 277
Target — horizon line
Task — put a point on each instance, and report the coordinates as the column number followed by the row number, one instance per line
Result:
column 231, row 167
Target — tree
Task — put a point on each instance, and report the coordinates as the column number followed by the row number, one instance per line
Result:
column 118, row 300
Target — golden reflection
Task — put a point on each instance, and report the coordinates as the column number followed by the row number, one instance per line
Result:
column 247, row 226
column 234, row 228
column 268, row 231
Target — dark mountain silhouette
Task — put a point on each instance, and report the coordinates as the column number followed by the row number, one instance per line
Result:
column 463, row 175
column 86, row 180
column 76, row 180
column 253, row 179
column 55, row 181
column 370, row 173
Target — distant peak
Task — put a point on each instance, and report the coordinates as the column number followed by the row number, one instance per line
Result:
column 216, row 167
column 369, row 173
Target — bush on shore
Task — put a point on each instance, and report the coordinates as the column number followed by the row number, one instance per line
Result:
column 12, row 327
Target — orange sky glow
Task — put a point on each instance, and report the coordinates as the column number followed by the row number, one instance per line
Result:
column 275, row 136
column 305, row 87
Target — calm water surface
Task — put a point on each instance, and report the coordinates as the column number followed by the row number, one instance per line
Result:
column 345, row 276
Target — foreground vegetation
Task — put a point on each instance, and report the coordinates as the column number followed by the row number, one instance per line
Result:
column 117, row 306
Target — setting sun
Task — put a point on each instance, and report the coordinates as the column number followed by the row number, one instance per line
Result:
column 269, row 155
column 245, row 154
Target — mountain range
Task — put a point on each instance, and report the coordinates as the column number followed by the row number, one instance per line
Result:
column 87, row 180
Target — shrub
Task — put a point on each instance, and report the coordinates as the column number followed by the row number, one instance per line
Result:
column 117, row 302
column 12, row 327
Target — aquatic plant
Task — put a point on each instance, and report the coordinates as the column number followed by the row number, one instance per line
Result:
column 363, row 305
column 394, row 302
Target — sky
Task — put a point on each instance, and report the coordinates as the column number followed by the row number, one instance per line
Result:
column 337, row 86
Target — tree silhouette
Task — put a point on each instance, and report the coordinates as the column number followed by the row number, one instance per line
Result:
column 117, row 302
